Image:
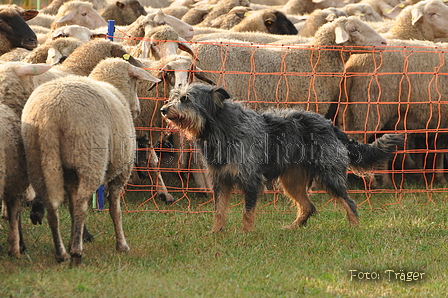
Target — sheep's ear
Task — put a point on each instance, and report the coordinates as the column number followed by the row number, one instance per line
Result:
column 416, row 14
column 29, row 14
column 141, row 74
column 186, row 47
column 341, row 35
column 120, row 4
column 69, row 16
column 200, row 75
column 53, row 56
column 331, row 17
column 219, row 95
column 31, row 69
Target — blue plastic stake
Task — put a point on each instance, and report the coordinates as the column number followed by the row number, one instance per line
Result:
column 110, row 29
column 100, row 197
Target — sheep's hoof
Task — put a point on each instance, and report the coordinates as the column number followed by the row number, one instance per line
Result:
column 14, row 253
column 166, row 197
column 76, row 259
column 61, row 258
column 123, row 248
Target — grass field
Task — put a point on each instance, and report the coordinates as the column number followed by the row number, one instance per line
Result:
column 402, row 248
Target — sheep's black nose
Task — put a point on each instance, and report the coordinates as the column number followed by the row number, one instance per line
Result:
column 164, row 110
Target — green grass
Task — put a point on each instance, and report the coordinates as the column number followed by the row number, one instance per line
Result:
column 173, row 256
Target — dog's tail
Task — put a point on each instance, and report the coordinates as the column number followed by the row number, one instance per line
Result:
column 365, row 156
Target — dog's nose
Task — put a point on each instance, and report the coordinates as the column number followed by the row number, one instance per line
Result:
column 164, row 110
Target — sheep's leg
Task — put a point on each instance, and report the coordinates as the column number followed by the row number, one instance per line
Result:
column 162, row 192
column 115, row 189
column 53, row 221
column 15, row 237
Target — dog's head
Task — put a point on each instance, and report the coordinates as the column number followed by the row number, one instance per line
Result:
column 191, row 106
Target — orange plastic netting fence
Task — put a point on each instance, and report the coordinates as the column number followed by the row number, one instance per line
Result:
column 396, row 90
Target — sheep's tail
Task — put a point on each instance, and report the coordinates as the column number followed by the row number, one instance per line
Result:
column 366, row 156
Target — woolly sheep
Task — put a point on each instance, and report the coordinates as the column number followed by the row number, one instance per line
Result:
column 301, row 7
column 53, row 7
column 249, row 37
column 426, row 20
column 317, row 18
column 80, row 32
column 14, row 31
column 78, row 134
column 89, row 54
column 306, row 75
column 78, row 13
column 364, row 11
column 17, row 54
column 383, row 7
column 42, row 20
column 409, row 78
column 132, row 34
column 18, row 81
column 173, row 70
column 196, row 15
column 52, row 51
column 268, row 21
column 123, row 12
column 223, row 7
column 232, row 18
column 160, row 42
column 13, row 177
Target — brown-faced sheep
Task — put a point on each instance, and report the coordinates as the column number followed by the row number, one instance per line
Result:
column 123, row 12
column 14, row 31
column 78, row 134
column 304, row 75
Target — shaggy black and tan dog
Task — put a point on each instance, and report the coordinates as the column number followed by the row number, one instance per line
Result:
column 244, row 149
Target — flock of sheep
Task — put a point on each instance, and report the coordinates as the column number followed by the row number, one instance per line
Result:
column 71, row 109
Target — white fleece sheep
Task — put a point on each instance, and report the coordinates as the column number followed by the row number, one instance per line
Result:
column 317, row 18
column 173, row 70
column 160, row 42
column 17, row 83
column 304, row 75
column 78, row 134
column 426, row 20
column 78, row 13
column 409, row 81
column 13, row 177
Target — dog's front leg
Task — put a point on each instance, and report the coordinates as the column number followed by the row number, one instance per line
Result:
column 222, row 194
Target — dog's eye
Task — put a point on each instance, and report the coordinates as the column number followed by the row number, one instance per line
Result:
column 184, row 99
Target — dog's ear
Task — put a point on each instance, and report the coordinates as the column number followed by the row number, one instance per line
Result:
column 219, row 95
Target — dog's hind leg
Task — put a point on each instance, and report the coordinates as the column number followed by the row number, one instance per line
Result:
column 339, row 191
column 222, row 201
column 250, row 204
column 295, row 182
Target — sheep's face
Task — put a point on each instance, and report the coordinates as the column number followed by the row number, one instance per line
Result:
column 356, row 35
column 433, row 16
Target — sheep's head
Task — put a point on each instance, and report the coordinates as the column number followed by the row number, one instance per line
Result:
column 354, row 34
